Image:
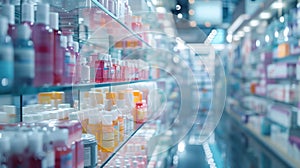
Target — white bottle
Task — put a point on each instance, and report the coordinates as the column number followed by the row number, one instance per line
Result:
column 85, row 71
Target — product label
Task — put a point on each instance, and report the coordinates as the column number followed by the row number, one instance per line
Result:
column 24, row 62
column 66, row 161
column 87, row 156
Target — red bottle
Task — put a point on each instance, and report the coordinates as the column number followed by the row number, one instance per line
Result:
column 99, row 68
column 37, row 158
column 18, row 156
column 63, row 153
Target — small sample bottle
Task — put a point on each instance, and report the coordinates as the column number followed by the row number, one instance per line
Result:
column 63, row 153
column 107, row 134
column 67, row 78
column 6, row 58
column 27, row 15
column 23, row 56
column 18, row 155
column 78, row 63
column 85, row 71
column 58, row 56
column 43, row 45
column 37, row 158
column 8, row 11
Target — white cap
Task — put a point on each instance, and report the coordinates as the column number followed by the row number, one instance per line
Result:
column 54, row 21
column 27, row 12
column 76, row 46
column 8, row 11
column 42, row 13
column 63, row 41
column 23, row 32
column 70, row 40
column 18, row 142
column 60, row 135
column 35, row 142
column 3, row 25
column 107, row 119
column 10, row 109
column 4, row 144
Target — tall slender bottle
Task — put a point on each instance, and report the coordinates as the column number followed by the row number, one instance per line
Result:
column 6, row 58
column 67, row 79
column 43, row 46
column 8, row 11
column 27, row 16
column 78, row 62
column 58, row 56
column 72, row 62
column 23, row 56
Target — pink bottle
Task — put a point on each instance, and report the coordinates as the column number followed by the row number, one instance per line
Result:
column 63, row 153
column 123, row 67
column 43, row 40
column 37, row 158
column 27, row 16
column 58, row 56
column 78, row 63
column 18, row 156
column 99, row 69
column 8, row 11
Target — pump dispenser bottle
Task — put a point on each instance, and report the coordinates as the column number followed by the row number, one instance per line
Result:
column 27, row 16
column 23, row 56
column 8, row 11
column 43, row 40
column 6, row 58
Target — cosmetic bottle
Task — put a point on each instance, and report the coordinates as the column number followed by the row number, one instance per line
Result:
column 72, row 62
column 4, row 151
column 127, row 117
column 99, row 68
column 58, row 55
column 63, row 153
column 67, row 78
column 43, row 45
column 78, row 63
column 18, row 155
column 8, row 11
column 27, row 16
column 48, row 146
column 37, row 158
column 85, row 71
column 23, row 56
column 6, row 58
column 107, row 134
column 94, row 127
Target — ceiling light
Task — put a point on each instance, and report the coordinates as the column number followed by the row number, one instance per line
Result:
column 229, row 38
column 267, row 38
column 180, row 15
column 241, row 33
column 191, row 12
column 277, row 5
column 281, row 19
column 178, row 7
column 236, row 38
column 247, row 29
column 193, row 23
column 254, row 23
column 191, row 1
column 265, row 15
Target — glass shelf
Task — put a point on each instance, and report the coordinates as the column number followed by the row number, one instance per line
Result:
column 35, row 90
column 293, row 58
column 276, row 101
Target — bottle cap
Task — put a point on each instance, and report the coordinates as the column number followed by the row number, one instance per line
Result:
column 107, row 119
column 76, row 46
column 8, row 11
column 27, row 12
column 63, row 41
column 18, row 142
column 23, row 32
column 110, row 95
column 54, row 20
column 35, row 142
column 42, row 13
column 4, row 144
column 3, row 25
column 70, row 40
column 136, row 93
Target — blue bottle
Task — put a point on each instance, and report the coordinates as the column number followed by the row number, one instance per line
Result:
column 6, row 58
column 24, row 57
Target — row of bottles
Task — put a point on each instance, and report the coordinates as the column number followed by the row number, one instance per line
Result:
column 52, row 144
column 37, row 53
